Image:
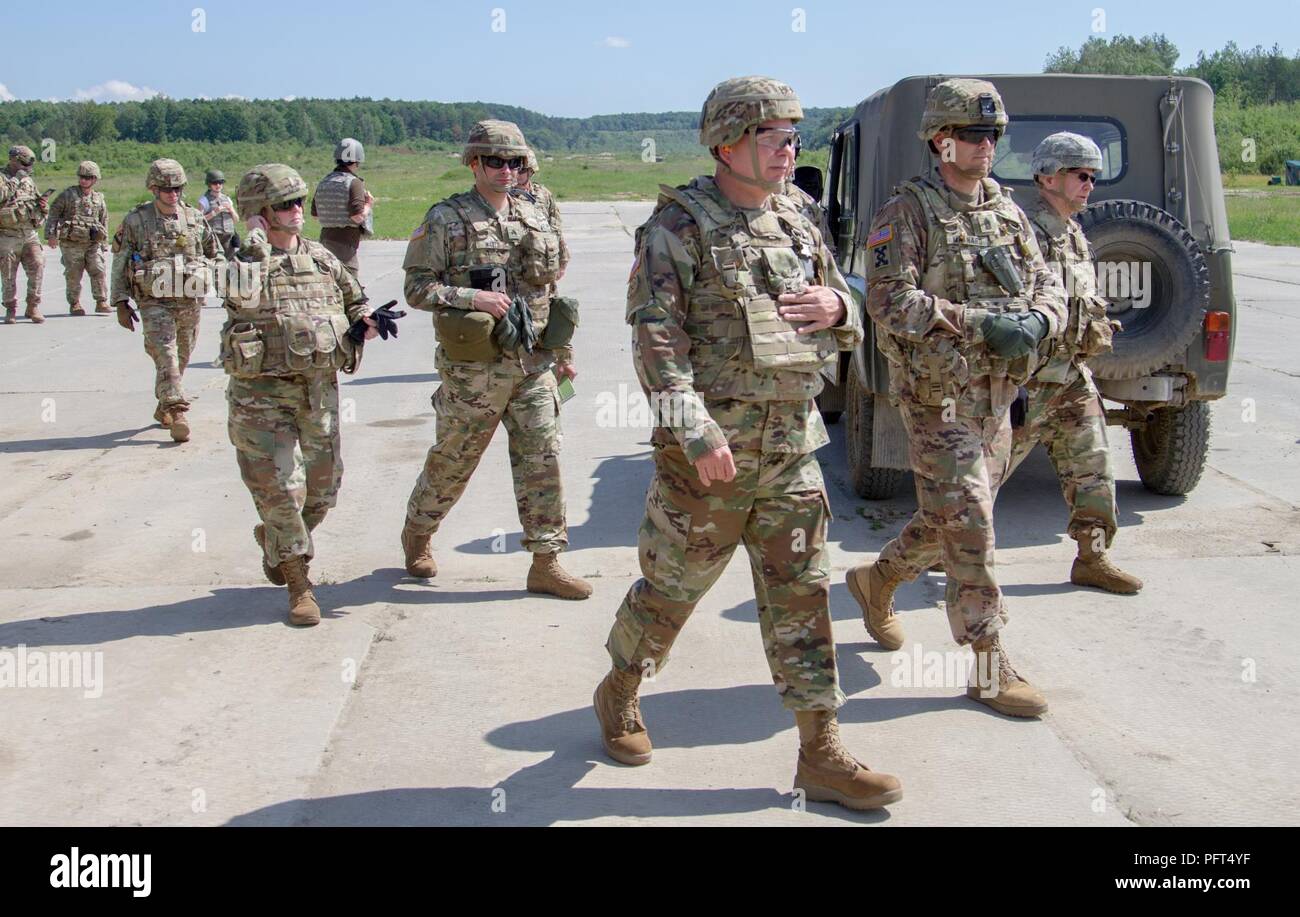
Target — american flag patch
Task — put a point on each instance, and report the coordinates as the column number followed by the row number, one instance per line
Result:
column 881, row 236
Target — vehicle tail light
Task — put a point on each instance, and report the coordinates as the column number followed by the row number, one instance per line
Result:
column 1218, row 335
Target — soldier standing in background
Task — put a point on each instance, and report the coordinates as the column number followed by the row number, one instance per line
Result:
column 21, row 213
column 960, row 293
column 736, row 306
column 287, row 334
column 484, row 262
column 219, row 210
column 343, row 205
column 541, row 195
column 163, row 256
column 78, row 224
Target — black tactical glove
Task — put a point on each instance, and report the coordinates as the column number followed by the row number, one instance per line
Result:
column 126, row 316
column 1012, row 335
column 385, row 319
column 515, row 328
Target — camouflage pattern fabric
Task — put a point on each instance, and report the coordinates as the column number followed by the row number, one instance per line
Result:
column 79, row 258
column 954, row 396
column 812, row 211
column 72, row 217
column 21, row 248
column 695, row 360
column 472, row 399
column 545, row 201
column 170, row 330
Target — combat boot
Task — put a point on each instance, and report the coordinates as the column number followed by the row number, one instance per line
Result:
column 34, row 313
column 164, row 418
column 11, row 315
column 1093, row 568
column 75, row 309
column 622, row 732
column 180, row 427
column 303, row 610
column 419, row 553
column 548, row 577
column 101, row 308
column 873, row 585
column 828, row 773
column 1012, row 695
column 273, row 574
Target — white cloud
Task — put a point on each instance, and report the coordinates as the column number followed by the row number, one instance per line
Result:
column 116, row 91
column 5, row 94
column 613, row 41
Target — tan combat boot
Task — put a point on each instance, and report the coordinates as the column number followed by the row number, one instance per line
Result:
column 1011, row 695
column 419, row 554
column 303, row 610
column 75, row 309
column 622, row 731
column 873, row 585
column 273, row 574
column 34, row 313
column 1093, row 568
column 11, row 315
column 163, row 416
column 179, row 427
column 101, row 308
column 828, row 773
column 547, row 576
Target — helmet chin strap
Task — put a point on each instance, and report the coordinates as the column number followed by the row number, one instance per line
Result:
column 771, row 187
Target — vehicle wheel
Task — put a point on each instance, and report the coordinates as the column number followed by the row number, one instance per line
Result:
column 1170, row 450
column 859, row 415
column 1159, row 333
column 831, row 403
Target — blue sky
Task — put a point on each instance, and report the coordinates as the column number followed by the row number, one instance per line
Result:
column 571, row 57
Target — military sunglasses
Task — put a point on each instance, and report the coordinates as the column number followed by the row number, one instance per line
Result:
column 176, row 190
column 1084, row 176
column 977, row 134
column 777, row 138
column 497, row 162
column 289, row 205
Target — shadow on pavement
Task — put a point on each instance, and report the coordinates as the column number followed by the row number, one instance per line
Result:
column 100, row 441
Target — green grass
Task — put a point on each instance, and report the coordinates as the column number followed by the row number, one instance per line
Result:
column 1274, row 219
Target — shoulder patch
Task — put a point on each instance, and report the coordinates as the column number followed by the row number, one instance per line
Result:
column 881, row 236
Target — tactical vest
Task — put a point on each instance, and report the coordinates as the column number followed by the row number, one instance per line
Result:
column 86, row 209
column 20, row 212
column 1068, row 254
column 747, row 262
column 171, row 261
column 332, row 201
column 223, row 223
column 299, row 325
column 957, row 269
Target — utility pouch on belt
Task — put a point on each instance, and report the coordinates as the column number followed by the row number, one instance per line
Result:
column 316, row 342
column 937, row 370
column 244, row 351
column 561, row 324
column 465, row 336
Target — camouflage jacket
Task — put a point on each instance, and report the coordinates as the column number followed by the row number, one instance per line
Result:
column 928, row 292
column 73, row 215
column 691, row 350
column 812, row 209
column 21, row 210
column 465, row 231
column 154, row 253
column 1068, row 254
column 543, row 198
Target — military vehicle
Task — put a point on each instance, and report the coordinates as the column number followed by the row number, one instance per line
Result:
column 1159, row 231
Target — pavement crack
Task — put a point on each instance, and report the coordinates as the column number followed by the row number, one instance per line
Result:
column 1272, row 369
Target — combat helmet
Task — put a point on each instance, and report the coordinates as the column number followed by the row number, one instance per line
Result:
column 23, row 155
column 962, row 103
column 165, row 173
column 494, row 138
column 266, row 185
column 349, row 149
column 531, row 164
column 739, row 105
column 1065, row 150
column 214, row 176
column 88, row 169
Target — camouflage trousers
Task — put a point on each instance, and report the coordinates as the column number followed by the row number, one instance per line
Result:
column 286, row 436
column 958, row 463
column 21, row 247
column 87, row 257
column 1070, row 421
column 471, row 401
column 170, row 330
column 776, row 505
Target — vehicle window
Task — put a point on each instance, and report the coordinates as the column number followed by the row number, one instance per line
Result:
column 1013, row 160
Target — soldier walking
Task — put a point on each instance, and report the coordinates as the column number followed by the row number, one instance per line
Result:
column 78, row 225
column 736, row 306
column 343, row 205
column 960, row 292
column 219, row 210
column 21, row 213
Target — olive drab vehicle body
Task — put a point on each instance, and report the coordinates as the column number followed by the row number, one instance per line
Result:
column 1156, row 222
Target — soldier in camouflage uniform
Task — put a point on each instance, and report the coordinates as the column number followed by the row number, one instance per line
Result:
column 541, row 195
column 484, row 262
column 289, row 304
column 1065, row 412
column 219, row 210
column 962, row 297
column 736, row 305
column 163, row 257
column 21, row 213
column 78, row 224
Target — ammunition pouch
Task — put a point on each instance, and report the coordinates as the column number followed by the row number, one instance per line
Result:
column 935, row 370
column 10, row 217
column 539, row 257
column 561, row 324
column 243, row 351
column 465, row 336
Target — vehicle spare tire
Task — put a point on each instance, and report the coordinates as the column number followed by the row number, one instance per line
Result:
column 1157, row 334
